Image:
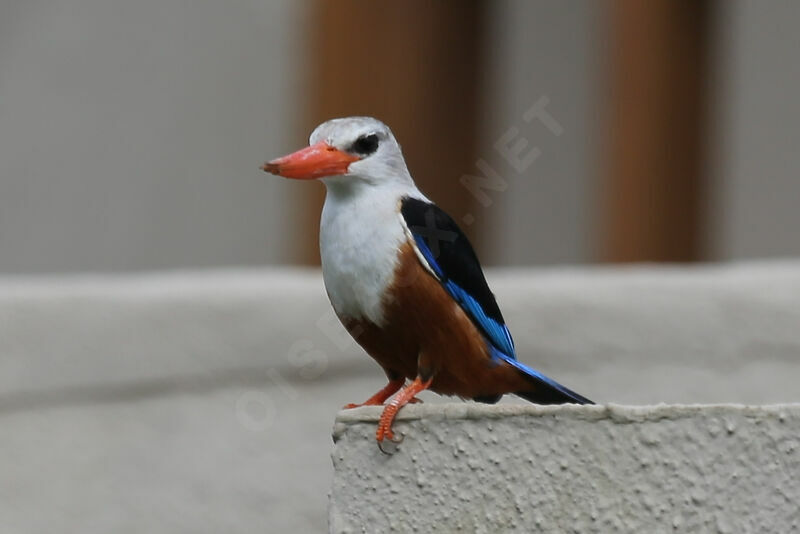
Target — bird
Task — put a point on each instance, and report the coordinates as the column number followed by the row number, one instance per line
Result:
column 403, row 278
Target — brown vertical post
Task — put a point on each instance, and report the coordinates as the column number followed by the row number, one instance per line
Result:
column 654, row 191
column 414, row 65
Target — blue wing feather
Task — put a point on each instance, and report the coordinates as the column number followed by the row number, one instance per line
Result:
column 426, row 252
column 496, row 332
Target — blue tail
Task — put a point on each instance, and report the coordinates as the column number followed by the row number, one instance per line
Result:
column 545, row 390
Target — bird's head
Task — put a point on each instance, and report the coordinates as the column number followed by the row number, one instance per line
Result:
column 343, row 150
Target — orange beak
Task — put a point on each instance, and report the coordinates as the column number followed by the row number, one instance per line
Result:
column 311, row 162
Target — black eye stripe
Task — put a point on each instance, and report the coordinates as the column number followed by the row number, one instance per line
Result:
column 365, row 145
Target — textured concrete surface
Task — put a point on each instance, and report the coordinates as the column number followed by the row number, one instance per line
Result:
column 470, row 468
column 192, row 401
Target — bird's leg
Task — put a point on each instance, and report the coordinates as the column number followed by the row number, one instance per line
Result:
column 380, row 397
column 401, row 399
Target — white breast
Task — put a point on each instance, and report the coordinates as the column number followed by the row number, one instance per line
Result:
column 360, row 235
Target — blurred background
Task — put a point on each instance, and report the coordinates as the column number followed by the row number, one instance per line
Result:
column 168, row 359
column 131, row 133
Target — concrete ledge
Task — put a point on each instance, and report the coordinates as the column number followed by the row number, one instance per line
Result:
column 474, row 468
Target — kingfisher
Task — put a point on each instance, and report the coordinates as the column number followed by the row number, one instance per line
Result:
column 404, row 280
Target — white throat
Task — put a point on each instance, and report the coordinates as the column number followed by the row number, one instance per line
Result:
column 361, row 233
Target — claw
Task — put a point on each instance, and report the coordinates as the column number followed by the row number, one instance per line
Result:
column 385, row 435
column 384, row 432
column 390, row 446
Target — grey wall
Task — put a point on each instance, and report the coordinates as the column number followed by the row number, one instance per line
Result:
column 758, row 160
column 543, row 50
column 131, row 132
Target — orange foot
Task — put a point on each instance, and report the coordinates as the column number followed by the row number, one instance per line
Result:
column 381, row 396
column 406, row 396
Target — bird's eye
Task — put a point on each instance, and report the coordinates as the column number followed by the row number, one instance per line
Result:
column 365, row 145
